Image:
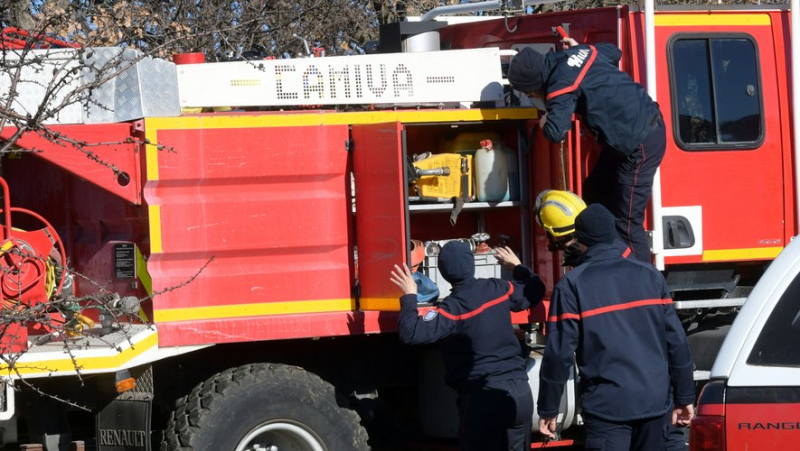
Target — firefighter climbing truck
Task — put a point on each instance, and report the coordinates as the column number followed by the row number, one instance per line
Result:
column 239, row 254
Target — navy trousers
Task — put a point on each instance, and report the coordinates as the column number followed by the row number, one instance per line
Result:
column 649, row 434
column 624, row 183
column 676, row 437
column 497, row 417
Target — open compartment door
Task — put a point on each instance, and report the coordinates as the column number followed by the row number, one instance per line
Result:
column 381, row 215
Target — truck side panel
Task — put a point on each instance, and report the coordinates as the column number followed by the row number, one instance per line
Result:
column 265, row 207
column 90, row 151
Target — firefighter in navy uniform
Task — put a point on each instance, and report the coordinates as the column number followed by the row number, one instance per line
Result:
column 615, row 315
column 585, row 79
column 481, row 352
column 556, row 211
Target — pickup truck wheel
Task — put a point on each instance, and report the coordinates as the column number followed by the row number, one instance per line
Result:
column 264, row 407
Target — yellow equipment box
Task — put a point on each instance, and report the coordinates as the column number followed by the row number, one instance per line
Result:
column 445, row 187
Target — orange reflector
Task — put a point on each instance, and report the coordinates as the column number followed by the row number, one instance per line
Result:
column 126, row 384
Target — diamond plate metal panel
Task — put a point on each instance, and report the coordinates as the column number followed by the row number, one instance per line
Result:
column 145, row 87
column 158, row 87
column 136, row 86
column 127, row 94
column 91, row 340
column 101, row 62
column 42, row 72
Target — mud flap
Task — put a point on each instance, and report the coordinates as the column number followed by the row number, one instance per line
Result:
column 124, row 423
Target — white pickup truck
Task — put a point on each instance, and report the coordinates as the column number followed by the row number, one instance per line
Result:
column 752, row 401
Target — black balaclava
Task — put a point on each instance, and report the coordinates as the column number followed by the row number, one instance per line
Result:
column 525, row 71
column 456, row 262
column 573, row 255
column 595, row 225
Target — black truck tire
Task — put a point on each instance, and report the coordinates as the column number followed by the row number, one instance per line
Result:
column 705, row 346
column 266, row 404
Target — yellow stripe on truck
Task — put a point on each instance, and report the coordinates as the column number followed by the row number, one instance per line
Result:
column 142, row 273
column 117, row 360
column 155, row 229
column 315, row 119
column 151, row 153
column 262, row 309
column 707, row 20
column 382, row 304
column 144, row 278
column 758, row 253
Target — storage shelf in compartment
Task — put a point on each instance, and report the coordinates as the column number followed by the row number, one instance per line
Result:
column 467, row 206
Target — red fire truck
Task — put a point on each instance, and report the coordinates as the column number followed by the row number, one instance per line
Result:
column 249, row 235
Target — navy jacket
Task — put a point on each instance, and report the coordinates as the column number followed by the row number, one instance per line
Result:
column 617, row 316
column 585, row 80
column 473, row 326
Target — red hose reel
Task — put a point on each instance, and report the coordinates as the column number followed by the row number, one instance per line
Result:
column 24, row 267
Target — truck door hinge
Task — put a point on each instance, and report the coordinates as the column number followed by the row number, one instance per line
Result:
column 349, row 145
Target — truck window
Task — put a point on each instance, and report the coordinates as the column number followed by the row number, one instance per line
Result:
column 716, row 92
column 777, row 343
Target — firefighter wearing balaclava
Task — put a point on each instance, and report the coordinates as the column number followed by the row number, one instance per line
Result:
column 614, row 317
column 585, row 80
column 482, row 355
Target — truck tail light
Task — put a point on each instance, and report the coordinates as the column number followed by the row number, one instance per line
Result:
column 707, row 432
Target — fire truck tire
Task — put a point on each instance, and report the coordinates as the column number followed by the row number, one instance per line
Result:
column 267, row 405
column 705, row 346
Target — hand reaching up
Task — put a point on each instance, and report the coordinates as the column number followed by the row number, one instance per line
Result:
column 402, row 278
column 568, row 42
column 507, row 258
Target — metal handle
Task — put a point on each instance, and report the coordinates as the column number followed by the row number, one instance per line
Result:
column 433, row 171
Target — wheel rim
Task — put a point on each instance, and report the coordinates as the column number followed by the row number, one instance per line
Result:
column 280, row 436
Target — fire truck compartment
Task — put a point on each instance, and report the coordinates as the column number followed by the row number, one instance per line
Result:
column 387, row 205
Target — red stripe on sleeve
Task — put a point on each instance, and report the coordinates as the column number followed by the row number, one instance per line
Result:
column 480, row 309
column 610, row 308
column 578, row 81
column 564, row 316
column 625, row 306
column 626, row 253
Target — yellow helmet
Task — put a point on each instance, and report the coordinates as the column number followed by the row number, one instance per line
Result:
column 556, row 211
